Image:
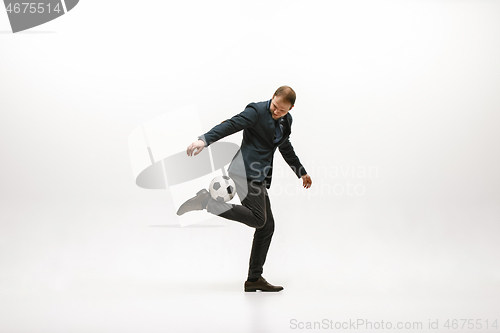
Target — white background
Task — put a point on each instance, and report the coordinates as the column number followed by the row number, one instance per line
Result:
column 406, row 89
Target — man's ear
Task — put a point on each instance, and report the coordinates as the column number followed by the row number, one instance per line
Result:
column 291, row 107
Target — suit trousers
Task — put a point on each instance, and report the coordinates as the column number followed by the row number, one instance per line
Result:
column 254, row 211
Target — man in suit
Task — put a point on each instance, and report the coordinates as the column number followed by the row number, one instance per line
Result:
column 266, row 126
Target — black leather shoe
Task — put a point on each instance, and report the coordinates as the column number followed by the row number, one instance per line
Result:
column 261, row 284
column 198, row 202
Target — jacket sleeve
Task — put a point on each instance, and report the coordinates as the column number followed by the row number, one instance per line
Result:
column 243, row 120
column 286, row 150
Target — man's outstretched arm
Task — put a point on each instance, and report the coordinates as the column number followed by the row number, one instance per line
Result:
column 230, row 126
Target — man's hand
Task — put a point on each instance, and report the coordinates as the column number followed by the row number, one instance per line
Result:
column 195, row 147
column 306, row 181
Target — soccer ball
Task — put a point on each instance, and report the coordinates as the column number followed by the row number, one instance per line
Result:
column 222, row 188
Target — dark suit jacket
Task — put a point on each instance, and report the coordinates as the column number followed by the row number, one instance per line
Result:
column 254, row 159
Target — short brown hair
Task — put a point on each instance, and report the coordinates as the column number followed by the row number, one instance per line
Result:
column 286, row 93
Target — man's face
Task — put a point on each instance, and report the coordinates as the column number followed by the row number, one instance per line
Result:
column 279, row 107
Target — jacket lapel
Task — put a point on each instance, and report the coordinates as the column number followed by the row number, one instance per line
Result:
column 287, row 127
column 285, row 121
column 270, row 126
column 271, row 130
